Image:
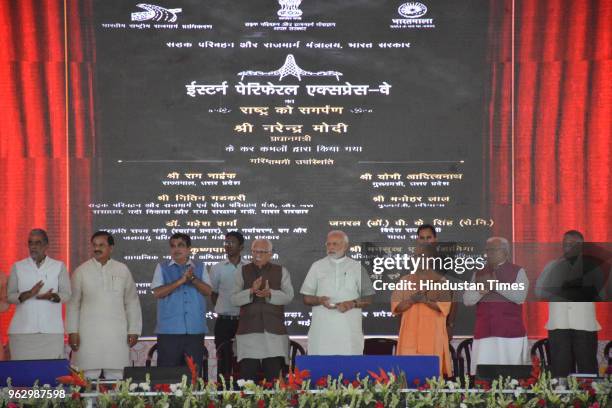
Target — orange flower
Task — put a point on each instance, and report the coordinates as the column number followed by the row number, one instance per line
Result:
column 75, row 378
column 381, row 378
column 294, row 379
column 192, row 368
column 298, row 376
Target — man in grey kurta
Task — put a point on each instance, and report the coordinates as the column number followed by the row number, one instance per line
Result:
column 103, row 317
column 38, row 285
column 261, row 291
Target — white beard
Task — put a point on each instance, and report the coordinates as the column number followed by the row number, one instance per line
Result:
column 336, row 255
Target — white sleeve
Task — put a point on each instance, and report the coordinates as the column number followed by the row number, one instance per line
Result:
column 284, row 296
column 471, row 297
column 309, row 287
column 517, row 296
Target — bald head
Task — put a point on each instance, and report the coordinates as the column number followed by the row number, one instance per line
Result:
column 261, row 250
column 497, row 250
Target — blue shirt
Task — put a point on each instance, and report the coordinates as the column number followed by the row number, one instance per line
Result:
column 223, row 278
column 184, row 310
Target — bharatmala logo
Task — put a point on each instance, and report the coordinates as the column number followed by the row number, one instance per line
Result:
column 155, row 13
column 412, row 12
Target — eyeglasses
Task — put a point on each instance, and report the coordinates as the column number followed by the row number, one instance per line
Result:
column 258, row 252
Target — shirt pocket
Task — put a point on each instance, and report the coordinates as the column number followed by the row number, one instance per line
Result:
column 117, row 283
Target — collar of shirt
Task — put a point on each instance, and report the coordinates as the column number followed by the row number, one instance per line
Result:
column 33, row 262
column 265, row 266
column 338, row 260
column 241, row 263
column 189, row 262
column 99, row 265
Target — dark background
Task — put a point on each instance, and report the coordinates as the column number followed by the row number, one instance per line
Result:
column 433, row 114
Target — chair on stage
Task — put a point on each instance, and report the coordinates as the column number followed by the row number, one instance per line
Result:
column 295, row 349
column 379, row 347
column 541, row 350
column 608, row 356
column 150, row 355
column 203, row 369
column 455, row 360
column 464, row 358
column 228, row 347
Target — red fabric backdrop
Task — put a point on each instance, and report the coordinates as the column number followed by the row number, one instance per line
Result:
column 46, row 135
column 549, row 130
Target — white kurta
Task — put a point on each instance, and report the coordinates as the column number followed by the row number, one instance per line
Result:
column 37, row 329
column 500, row 350
column 37, row 315
column 263, row 345
column 104, row 309
column 331, row 331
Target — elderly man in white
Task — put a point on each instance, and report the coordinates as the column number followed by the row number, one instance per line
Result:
column 336, row 287
column 499, row 332
column 261, row 290
column 38, row 285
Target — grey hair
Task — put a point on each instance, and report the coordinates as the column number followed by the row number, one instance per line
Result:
column 505, row 245
column 267, row 241
column 345, row 237
column 42, row 233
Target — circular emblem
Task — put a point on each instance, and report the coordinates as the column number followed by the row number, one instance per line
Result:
column 412, row 9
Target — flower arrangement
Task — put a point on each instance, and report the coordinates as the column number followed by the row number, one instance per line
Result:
column 379, row 389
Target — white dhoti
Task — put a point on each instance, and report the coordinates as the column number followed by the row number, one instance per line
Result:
column 500, row 350
column 36, row 346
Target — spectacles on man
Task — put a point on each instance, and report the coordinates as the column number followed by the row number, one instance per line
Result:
column 493, row 249
column 259, row 252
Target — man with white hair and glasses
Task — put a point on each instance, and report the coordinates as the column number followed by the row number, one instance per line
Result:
column 261, row 290
column 337, row 288
column 499, row 333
